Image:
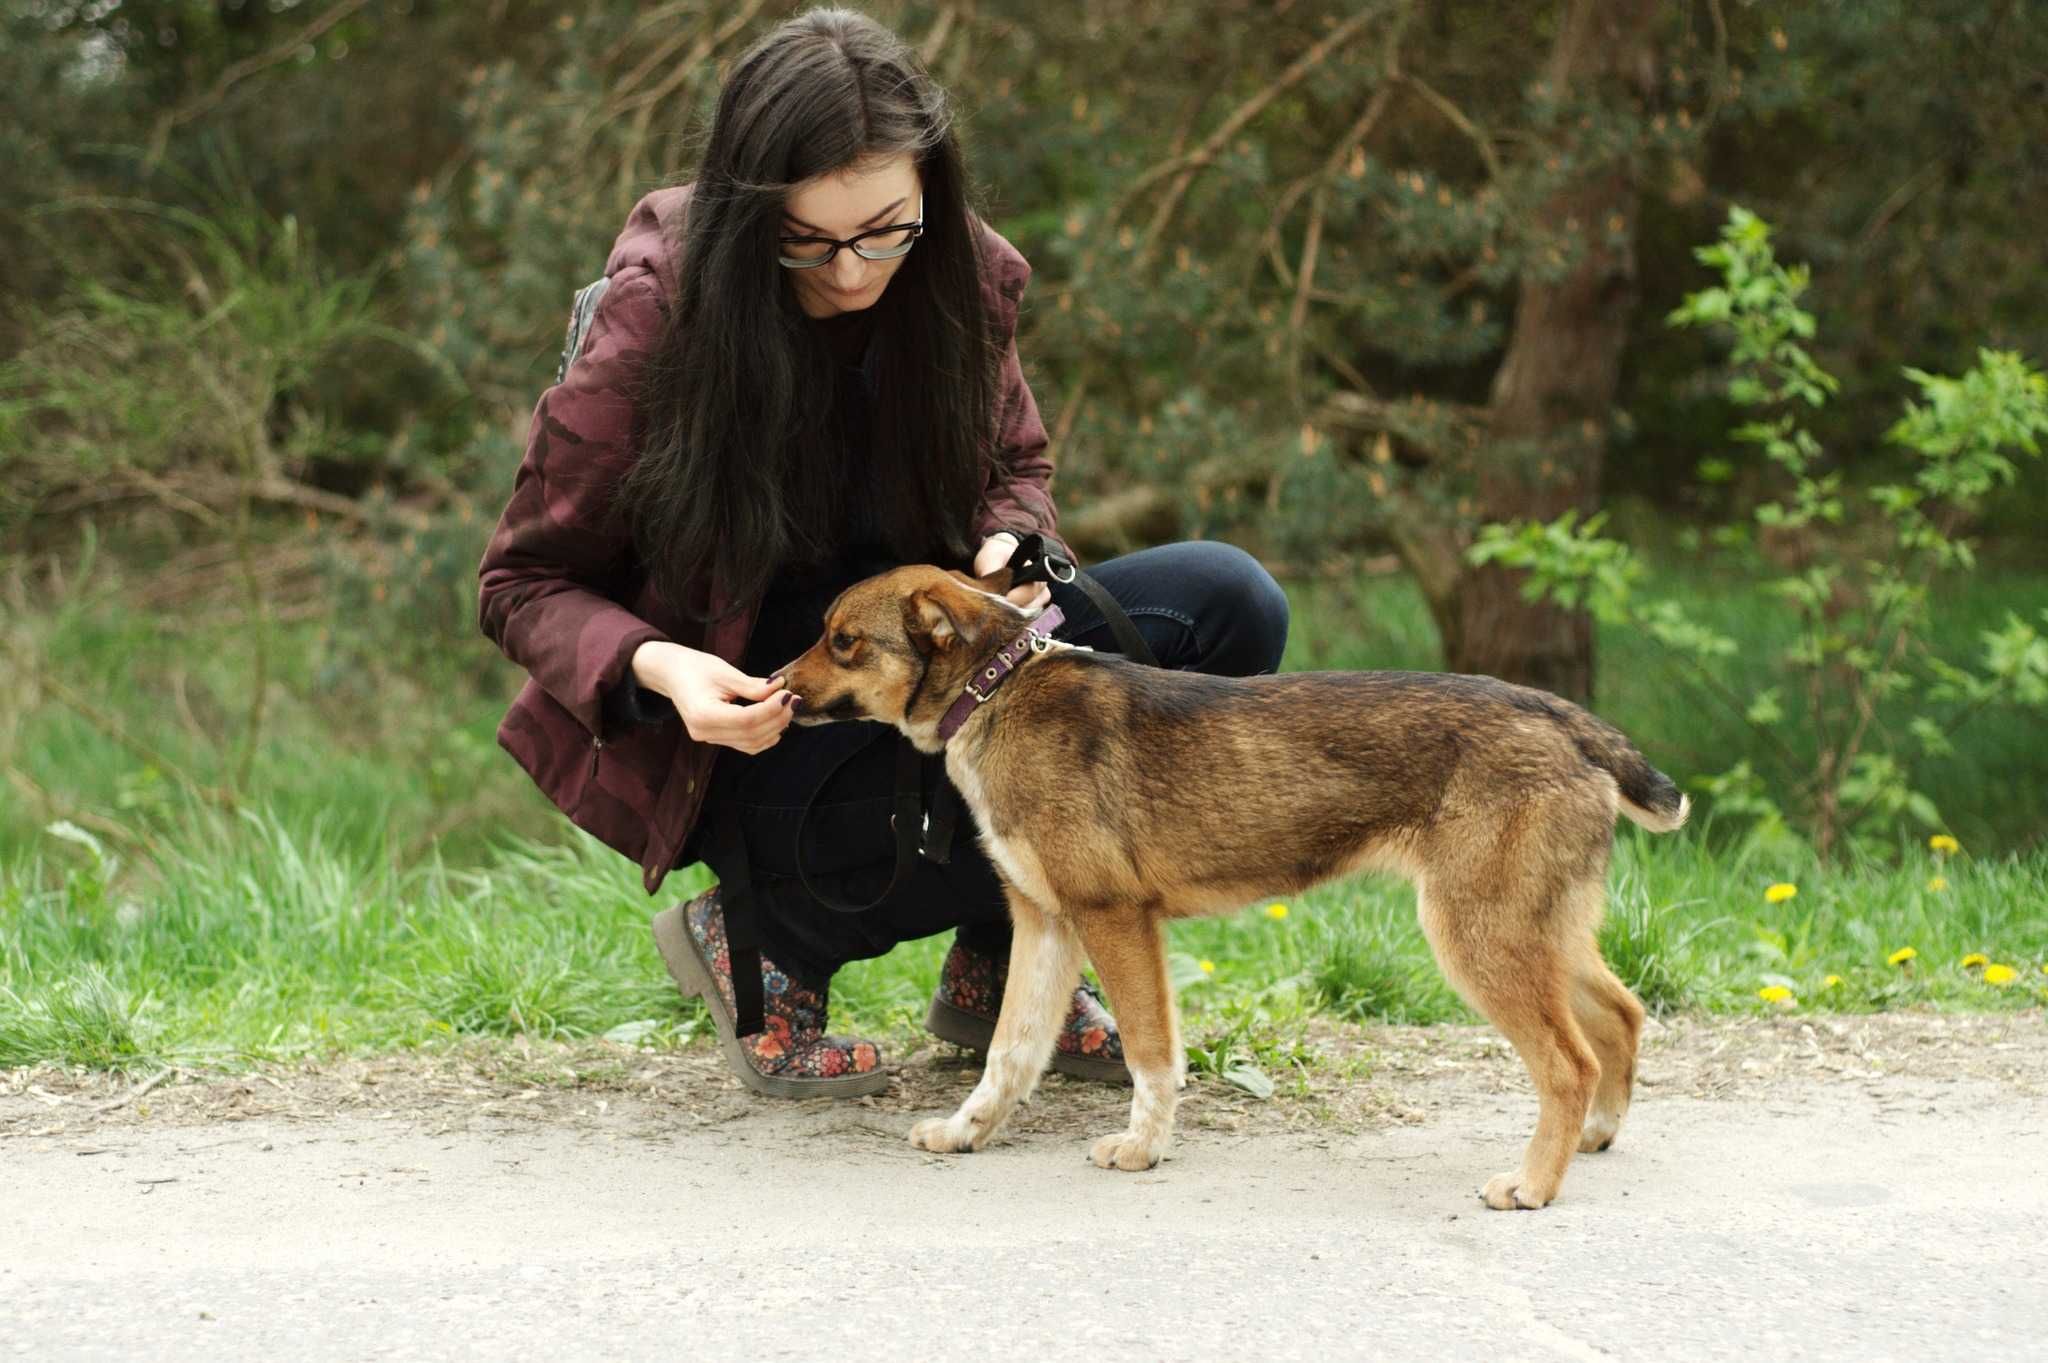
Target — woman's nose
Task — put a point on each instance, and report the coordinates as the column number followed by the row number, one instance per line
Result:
column 849, row 271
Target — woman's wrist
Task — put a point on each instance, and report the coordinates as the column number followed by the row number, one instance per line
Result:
column 651, row 663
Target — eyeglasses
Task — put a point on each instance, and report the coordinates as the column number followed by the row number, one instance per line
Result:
column 808, row 253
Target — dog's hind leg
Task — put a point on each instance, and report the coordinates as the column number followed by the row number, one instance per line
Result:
column 1502, row 960
column 1612, row 1019
column 1128, row 948
column 1044, row 958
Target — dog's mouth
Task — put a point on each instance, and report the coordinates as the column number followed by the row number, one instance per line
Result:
column 838, row 710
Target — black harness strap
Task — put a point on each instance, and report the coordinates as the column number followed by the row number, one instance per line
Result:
column 742, row 918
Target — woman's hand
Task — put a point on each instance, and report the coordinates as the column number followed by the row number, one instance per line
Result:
column 995, row 551
column 718, row 702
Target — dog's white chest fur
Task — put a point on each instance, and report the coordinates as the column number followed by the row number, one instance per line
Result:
column 1018, row 863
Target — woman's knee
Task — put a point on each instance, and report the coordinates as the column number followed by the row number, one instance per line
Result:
column 1244, row 612
column 1229, row 617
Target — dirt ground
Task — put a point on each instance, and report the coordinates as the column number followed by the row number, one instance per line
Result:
column 1372, row 1078
column 1861, row 1187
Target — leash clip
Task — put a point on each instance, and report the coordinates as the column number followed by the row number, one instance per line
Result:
column 1035, row 560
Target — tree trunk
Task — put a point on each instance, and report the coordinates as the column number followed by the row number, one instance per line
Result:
column 1548, row 414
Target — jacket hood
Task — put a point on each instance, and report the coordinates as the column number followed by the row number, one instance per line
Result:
column 651, row 235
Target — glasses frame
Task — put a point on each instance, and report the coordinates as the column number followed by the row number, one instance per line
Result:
column 916, row 227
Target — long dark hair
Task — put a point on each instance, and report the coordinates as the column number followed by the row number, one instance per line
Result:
column 741, row 467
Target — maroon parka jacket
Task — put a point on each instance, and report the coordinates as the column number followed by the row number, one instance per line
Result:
column 561, row 590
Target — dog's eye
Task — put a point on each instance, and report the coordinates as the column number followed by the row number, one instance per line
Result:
column 841, row 642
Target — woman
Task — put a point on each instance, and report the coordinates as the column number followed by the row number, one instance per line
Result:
column 802, row 372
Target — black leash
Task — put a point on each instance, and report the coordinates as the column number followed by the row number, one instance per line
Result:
column 906, row 818
column 918, row 833
column 1038, row 559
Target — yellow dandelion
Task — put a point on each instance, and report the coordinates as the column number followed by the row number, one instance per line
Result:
column 1831, row 981
column 1276, row 912
column 1208, row 966
column 1774, row 993
column 1975, row 958
column 1780, row 892
column 1943, row 843
column 1937, row 883
column 2000, row 974
column 1901, row 956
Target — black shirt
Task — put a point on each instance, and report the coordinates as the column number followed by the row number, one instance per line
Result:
column 792, row 610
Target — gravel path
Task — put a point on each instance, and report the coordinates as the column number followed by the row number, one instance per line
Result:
column 1861, row 1189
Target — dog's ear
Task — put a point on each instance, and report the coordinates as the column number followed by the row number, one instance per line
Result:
column 995, row 584
column 930, row 625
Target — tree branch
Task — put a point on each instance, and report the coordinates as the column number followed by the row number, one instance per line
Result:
column 1458, row 119
column 1184, row 168
column 239, row 71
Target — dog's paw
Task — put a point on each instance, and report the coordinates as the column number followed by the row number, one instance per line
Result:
column 1509, row 1193
column 1599, row 1132
column 945, row 1136
column 1126, row 1151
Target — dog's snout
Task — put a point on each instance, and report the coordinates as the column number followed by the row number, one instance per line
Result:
column 840, row 708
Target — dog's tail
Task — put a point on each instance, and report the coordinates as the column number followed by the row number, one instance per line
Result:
column 1648, row 797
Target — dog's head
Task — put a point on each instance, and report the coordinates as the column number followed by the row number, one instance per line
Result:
column 899, row 647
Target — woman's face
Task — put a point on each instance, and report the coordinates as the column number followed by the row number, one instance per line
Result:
column 867, row 195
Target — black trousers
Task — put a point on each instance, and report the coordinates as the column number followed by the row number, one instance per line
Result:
column 1202, row 606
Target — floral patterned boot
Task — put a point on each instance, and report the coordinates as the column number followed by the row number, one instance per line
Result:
column 970, row 995
column 793, row 1057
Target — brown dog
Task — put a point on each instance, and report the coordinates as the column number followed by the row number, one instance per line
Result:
column 1114, row 796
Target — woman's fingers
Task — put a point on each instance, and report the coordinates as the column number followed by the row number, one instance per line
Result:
column 1029, row 596
column 749, row 727
column 762, row 723
column 739, row 685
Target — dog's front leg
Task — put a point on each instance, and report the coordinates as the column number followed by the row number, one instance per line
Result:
column 1128, row 949
column 1045, row 959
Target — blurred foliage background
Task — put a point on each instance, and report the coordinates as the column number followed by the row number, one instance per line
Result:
column 1338, row 281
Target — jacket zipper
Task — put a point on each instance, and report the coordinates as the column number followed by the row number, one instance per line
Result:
column 596, row 747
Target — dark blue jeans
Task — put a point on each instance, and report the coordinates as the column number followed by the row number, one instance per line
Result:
column 1201, row 605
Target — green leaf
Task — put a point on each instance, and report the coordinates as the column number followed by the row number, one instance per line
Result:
column 1251, row 1079
column 1765, row 710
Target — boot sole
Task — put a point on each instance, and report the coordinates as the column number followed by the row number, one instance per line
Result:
column 692, row 974
column 976, row 1034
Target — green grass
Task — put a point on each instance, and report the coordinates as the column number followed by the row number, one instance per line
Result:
column 390, row 880
column 258, row 940
column 380, row 718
